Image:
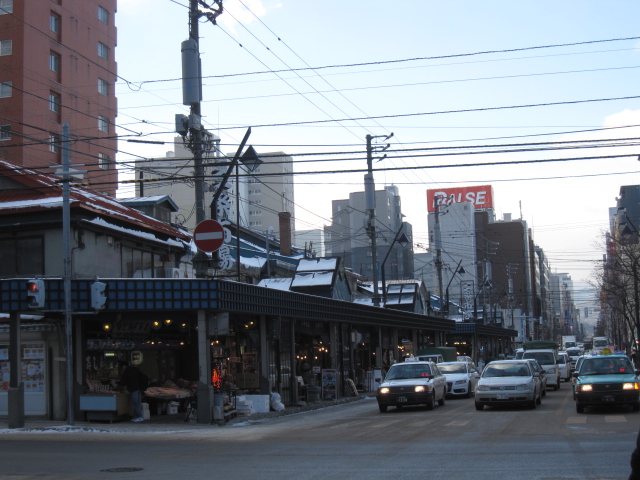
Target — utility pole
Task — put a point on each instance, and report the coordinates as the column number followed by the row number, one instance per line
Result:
column 438, row 244
column 370, row 208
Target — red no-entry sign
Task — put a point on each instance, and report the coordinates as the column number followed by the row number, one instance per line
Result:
column 209, row 235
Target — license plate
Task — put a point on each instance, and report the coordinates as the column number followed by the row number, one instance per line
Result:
column 607, row 398
column 503, row 396
column 402, row 399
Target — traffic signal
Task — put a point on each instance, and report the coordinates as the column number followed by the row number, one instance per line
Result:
column 35, row 293
column 98, row 295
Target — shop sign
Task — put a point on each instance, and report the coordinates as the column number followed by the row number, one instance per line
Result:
column 480, row 196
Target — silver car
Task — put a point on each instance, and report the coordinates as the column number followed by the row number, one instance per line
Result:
column 508, row 382
column 461, row 377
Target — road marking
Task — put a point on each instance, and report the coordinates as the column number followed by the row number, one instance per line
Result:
column 385, row 424
column 457, row 423
column 349, row 424
column 614, row 419
column 576, row 420
column 423, row 423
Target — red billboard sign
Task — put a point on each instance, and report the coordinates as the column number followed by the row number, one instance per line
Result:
column 481, row 197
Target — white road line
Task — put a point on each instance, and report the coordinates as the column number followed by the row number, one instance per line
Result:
column 457, row 423
column 576, row 420
column 615, row 419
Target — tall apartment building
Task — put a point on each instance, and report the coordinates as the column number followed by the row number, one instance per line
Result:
column 263, row 193
column 270, row 191
column 347, row 236
column 57, row 65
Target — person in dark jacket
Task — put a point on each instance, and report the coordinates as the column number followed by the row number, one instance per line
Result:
column 635, row 461
column 130, row 379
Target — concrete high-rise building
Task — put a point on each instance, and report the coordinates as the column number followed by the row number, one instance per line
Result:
column 57, row 66
column 347, row 236
column 270, row 191
column 263, row 193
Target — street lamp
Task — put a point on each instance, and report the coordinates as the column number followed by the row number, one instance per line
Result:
column 403, row 241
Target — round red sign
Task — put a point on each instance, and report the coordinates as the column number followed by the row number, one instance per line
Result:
column 209, row 235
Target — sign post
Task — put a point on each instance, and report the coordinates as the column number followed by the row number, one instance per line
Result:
column 209, row 235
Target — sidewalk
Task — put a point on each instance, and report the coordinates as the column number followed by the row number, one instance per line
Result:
column 161, row 423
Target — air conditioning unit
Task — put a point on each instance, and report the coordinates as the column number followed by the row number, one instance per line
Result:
column 172, row 273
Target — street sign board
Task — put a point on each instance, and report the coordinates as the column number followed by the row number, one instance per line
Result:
column 209, row 235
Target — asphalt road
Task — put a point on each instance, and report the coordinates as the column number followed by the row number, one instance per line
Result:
column 350, row 441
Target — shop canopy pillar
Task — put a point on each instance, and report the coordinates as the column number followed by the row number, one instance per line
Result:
column 205, row 389
column 16, row 386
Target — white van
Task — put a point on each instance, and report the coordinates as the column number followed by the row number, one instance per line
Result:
column 546, row 358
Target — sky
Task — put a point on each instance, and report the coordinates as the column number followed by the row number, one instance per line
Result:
column 462, row 85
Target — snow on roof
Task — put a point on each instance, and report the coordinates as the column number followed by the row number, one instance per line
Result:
column 401, row 299
column 317, row 264
column 136, row 233
column 276, row 283
column 312, row 279
column 45, row 192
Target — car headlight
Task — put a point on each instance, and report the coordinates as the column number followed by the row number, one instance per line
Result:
column 460, row 382
column 420, row 388
column 383, row 390
column 630, row 386
column 482, row 388
column 522, row 387
column 585, row 388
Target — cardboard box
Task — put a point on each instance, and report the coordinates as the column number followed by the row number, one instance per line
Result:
column 259, row 403
column 172, row 408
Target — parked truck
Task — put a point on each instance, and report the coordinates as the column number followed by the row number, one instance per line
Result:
column 569, row 341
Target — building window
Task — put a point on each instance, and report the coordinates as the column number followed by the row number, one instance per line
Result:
column 5, row 132
column 21, row 256
column 103, row 87
column 6, row 47
column 103, row 161
column 5, row 89
column 54, row 22
column 255, row 192
column 103, row 15
column 255, row 202
column 54, row 143
column 253, row 180
column 54, row 102
column 6, row 6
column 255, row 212
column 103, row 51
column 54, row 62
column 103, row 124
column 255, row 224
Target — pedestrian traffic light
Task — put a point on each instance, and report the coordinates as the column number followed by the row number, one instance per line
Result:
column 35, row 293
column 98, row 295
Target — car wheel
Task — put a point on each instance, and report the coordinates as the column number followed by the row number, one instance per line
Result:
column 544, row 392
column 558, row 385
column 441, row 401
column 579, row 408
column 479, row 406
column 533, row 404
column 539, row 400
column 432, row 402
column 382, row 408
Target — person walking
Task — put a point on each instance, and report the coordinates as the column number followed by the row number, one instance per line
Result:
column 131, row 380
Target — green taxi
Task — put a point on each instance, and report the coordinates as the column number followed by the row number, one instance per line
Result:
column 605, row 380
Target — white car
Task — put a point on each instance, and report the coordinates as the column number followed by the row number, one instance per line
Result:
column 508, row 382
column 412, row 383
column 564, row 365
column 462, row 377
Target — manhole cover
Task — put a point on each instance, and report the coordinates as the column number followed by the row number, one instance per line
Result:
column 122, row 469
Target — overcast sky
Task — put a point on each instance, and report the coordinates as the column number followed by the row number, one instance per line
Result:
column 462, row 82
